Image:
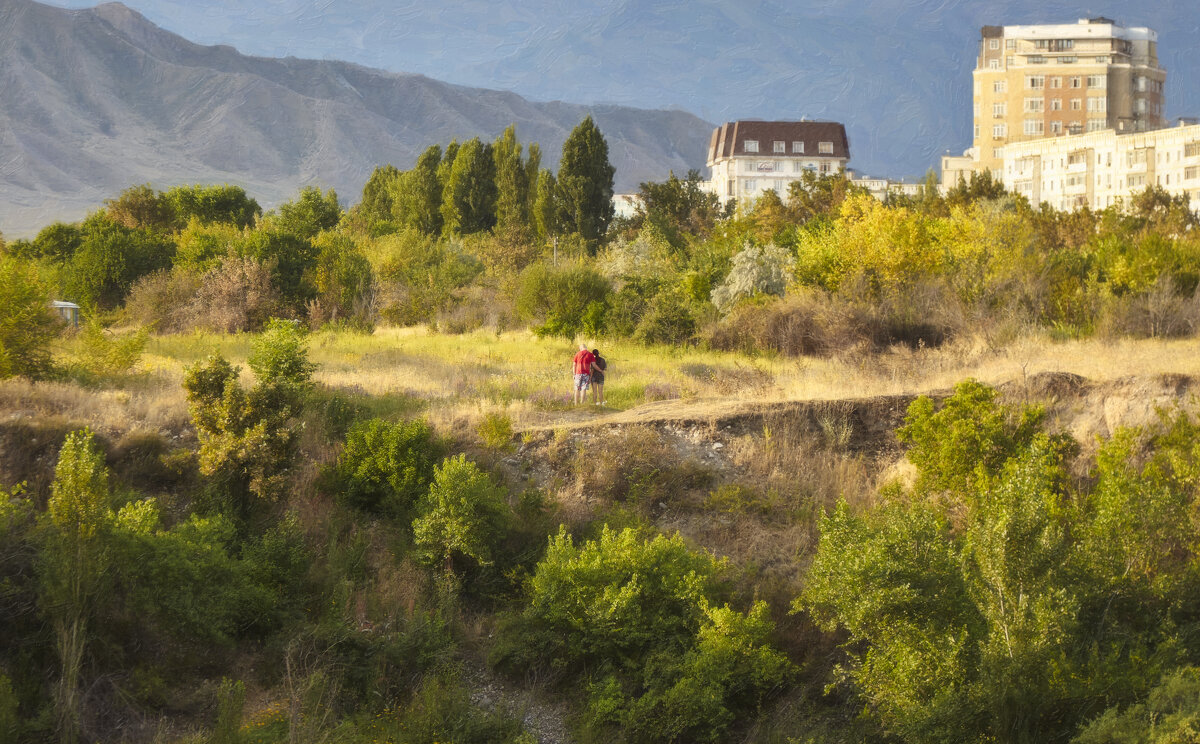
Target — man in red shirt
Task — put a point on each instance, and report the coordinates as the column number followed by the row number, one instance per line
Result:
column 583, row 372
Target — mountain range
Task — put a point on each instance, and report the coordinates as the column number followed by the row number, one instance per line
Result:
column 95, row 100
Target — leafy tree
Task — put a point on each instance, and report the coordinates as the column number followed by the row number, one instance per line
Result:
column 679, row 207
column 202, row 247
column 73, row 565
column 247, row 440
column 756, row 270
column 291, row 256
column 512, row 185
column 224, row 204
column 310, row 213
column 469, row 199
column 971, row 435
column 548, row 217
column 462, row 517
column 110, row 258
column 386, row 468
column 1169, row 715
column 557, row 299
column 417, row 194
column 26, row 323
column 378, row 194
column 343, row 280
column 58, row 241
column 585, row 181
column 279, row 357
column 141, row 207
column 819, row 196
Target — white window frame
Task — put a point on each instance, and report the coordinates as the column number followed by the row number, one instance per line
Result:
column 779, row 146
column 825, row 148
column 750, row 145
column 798, row 147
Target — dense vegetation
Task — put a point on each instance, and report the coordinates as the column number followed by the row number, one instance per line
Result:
column 308, row 571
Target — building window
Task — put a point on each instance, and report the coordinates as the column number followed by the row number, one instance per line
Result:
column 1075, row 81
column 749, row 167
column 993, row 43
column 780, row 146
column 1056, row 127
column 1097, row 125
column 1034, row 104
column 1000, row 86
column 1097, row 104
column 1067, row 60
column 825, row 148
column 750, row 146
column 1008, row 61
column 1141, row 105
column 1097, row 81
column 1010, row 43
column 1136, row 181
column 1102, row 60
column 976, row 133
column 1076, row 104
column 749, row 184
column 998, row 153
column 1035, row 127
column 1035, row 82
column 797, row 147
column 1056, row 104
column 1036, row 59
column 1191, row 149
column 999, row 110
column 1056, row 81
column 993, row 64
column 999, row 130
column 1191, row 173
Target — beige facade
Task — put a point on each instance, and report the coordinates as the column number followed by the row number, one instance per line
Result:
column 1097, row 169
column 1032, row 82
column 749, row 158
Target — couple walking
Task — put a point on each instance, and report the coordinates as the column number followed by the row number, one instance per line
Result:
column 589, row 372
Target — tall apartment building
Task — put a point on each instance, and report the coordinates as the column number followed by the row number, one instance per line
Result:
column 1098, row 169
column 1041, row 81
column 748, row 158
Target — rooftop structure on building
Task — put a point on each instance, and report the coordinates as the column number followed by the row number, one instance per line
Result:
column 749, row 157
column 1035, row 81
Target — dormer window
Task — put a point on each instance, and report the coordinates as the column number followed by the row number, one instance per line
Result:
column 750, row 145
column 780, row 146
column 798, row 147
column 825, row 148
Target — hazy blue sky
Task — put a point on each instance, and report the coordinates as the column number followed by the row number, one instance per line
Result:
column 897, row 72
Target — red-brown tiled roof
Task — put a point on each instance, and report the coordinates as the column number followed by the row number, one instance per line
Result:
column 729, row 139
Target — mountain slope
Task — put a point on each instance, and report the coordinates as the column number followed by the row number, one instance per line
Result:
column 92, row 101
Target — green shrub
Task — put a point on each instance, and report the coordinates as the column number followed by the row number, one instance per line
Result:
column 101, row 353
column 386, row 468
column 231, row 702
column 462, row 517
column 26, row 323
column 247, row 438
column 279, row 356
column 972, row 434
column 495, row 430
column 556, row 300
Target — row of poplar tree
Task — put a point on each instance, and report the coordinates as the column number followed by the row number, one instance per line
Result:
column 473, row 186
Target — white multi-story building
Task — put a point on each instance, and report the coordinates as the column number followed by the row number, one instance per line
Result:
column 748, row 158
column 1098, row 168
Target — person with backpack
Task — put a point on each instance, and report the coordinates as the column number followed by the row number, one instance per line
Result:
column 599, row 365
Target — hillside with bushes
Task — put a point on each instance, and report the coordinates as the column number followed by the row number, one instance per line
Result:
column 918, row 470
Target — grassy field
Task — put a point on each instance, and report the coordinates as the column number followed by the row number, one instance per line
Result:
column 454, row 379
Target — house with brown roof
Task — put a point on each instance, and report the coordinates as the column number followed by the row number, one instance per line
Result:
column 751, row 157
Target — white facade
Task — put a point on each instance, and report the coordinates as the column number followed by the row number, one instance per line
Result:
column 749, row 158
column 1099, row 168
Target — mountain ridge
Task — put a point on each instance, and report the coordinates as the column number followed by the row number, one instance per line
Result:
column 95, row 100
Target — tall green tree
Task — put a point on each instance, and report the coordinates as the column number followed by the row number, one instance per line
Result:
column 26, row 325
column 377, row 197
column 469, row 200
column 547, row 206
column 110, row 258
column 226, row 204
column 585, row 180
column 73, row 565
column 512, row 184
column 417, row 193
